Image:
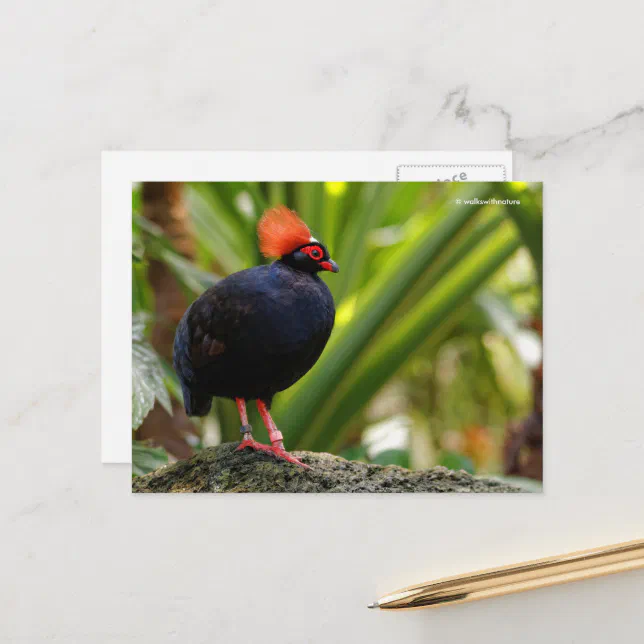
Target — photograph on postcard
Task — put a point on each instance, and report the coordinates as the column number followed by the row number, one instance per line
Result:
column 337, row 337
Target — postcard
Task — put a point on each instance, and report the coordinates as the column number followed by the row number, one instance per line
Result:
column 336, row 336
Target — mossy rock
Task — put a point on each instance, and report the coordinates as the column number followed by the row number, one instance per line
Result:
column 222, row 469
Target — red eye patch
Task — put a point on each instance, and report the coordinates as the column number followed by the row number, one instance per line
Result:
column 314, row 252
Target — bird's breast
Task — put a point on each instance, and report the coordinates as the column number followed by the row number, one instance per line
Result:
column 294, row 312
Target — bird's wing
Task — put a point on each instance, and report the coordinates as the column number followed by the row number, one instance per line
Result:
column 204, row 347
column 214, row 320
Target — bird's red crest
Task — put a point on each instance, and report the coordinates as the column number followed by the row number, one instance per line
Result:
column 281, row 231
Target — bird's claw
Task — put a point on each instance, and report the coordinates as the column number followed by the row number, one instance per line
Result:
column 277, row 452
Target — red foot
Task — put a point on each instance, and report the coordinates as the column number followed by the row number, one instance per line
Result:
column 254, row 445
column 277, row 452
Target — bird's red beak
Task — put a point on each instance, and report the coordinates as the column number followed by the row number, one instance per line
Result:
column 330, row 266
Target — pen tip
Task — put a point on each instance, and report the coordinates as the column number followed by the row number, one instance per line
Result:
column 374, row 605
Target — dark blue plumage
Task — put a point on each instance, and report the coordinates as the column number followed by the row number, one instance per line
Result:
column 253, row 334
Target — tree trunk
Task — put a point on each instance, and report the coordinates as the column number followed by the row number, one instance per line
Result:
column 163, row 205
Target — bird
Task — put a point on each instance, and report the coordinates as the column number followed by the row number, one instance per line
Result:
column 256, row 332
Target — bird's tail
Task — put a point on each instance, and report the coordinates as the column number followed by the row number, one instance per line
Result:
column 196, row 405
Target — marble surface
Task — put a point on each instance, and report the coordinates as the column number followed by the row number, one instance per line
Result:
column 558, row 83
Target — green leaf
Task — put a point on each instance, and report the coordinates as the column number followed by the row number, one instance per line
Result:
column 392, row 457
column 192, row 279
column 142, row 296
column 259, row 201
column 309, row 204
column 277, row 193
column 454, row 253
column 426, row 322
column 221, row 233
column 147, row 459
column 171, row 380
column 147, row 375
column 304, row 402
column 355, row 453
column 528, row 219
column 136, row 199
column 455, row 461
column 353, row 248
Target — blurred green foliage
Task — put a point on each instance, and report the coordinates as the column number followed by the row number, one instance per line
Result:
column 146, row 458
column 429, row 358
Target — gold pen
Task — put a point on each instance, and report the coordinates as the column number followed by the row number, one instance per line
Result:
column 516, row 578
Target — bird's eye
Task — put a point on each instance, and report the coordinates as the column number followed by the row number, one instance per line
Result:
column 316, row 253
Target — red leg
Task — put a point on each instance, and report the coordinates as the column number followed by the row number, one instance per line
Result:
column 241, row 408
column 275, row 436
column 247, row 430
